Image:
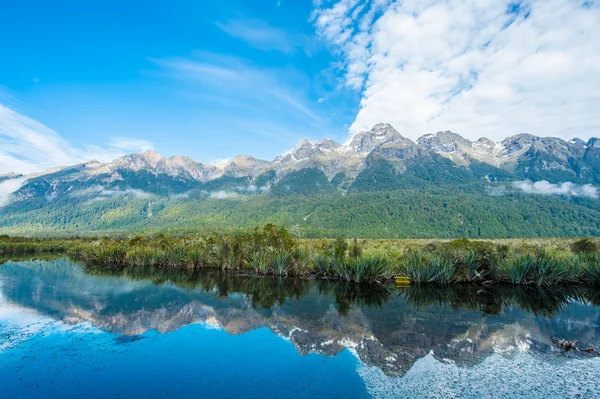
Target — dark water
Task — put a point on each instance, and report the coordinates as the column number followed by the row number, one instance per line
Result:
column 70, row 333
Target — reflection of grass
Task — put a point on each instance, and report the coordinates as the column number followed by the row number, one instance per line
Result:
column 29, row 257
column 495, row 299
column 348, row 295
column 273, row 251
column 263, row 291
column 266, row 292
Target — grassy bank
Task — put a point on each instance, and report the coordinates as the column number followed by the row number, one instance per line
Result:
column 273, row 251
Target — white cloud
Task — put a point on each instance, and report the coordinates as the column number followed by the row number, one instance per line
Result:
column 7, row 187
column 100, row 192
column 263, row 36
column 28, row 146
column 482, row 68
column 250, row 188
column 545, row 188
column 131, row 145
column 223, row 195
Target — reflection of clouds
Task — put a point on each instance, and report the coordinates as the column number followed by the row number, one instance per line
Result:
column 18, row 324
column 512, row 338
column 497, row 376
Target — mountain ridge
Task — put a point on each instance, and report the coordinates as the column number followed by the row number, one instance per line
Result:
column 332, row 157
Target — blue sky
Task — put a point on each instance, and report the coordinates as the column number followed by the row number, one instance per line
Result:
column 210, row 80
column 206, row 79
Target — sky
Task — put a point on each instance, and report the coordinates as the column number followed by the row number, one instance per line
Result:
column 210, row 80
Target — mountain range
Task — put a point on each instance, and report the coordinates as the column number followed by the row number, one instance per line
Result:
column 378, row 184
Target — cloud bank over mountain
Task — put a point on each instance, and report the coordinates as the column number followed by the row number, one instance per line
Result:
column 8, row 187
column 546, row 188
column 481, row 68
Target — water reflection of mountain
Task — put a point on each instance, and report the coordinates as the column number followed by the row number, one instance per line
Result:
column 386, row 327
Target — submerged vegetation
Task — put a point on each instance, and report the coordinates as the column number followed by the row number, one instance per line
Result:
column 272, row 250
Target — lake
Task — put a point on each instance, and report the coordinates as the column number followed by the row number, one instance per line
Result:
column 72, row 332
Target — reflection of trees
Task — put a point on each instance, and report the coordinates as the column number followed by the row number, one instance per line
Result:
column 495, row 299
column 262, row 291
column 349, row 294
column 267, row 291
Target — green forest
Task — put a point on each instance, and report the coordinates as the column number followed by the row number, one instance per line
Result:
column 410, row 213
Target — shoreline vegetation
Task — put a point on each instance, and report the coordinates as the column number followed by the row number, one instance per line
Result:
column 271, row 250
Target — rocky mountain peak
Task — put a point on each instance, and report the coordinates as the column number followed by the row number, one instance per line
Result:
column 328, row 144
column 10, row 175
column 245, row 165
column 152, row 162
column 382, row 133
column 487, row 150
column 518, row 143
column 307, row 150
column 142, row 159
column 578, row 141
column 593, row 143
column 445, row 141
column 181, row 159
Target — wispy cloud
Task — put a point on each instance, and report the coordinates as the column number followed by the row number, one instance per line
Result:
column 131, row 145
column 263, row 36
column 258, row 34
column 483, row 68
column 224, row 195
column 28, row 146
column 545, row 188
column 234, row 81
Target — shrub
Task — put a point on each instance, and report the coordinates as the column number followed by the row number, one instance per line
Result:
column 282, row 262
column 584, row 245
column 355, row 249
column 539, row 270
column 259, row 261
column 340, row 246
column 322, row 263
column 428, row 269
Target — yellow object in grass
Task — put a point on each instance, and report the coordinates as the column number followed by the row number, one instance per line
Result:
column 402, row 280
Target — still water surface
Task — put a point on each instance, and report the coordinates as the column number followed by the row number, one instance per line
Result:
column 66, row 332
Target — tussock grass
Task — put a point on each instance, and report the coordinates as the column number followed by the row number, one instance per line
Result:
column 273, row 251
